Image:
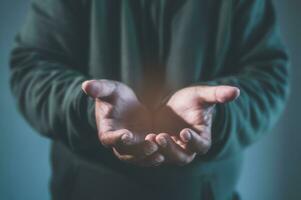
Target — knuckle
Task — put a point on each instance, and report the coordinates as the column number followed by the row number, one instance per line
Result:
column 102, row 139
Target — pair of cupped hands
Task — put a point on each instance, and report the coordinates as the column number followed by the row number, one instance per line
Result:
column 174, row 134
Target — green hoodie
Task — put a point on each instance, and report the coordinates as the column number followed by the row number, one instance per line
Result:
column 156, row 47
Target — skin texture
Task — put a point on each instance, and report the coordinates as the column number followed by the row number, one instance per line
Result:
column 176, row 133
column 184, row 123
column 122, row 122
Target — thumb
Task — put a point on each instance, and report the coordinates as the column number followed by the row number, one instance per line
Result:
column 217, row 94
column 98, row 88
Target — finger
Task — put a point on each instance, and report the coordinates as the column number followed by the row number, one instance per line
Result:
column 114, row 138
column 173, row 152
column 139, row 150
column 195, row 142
column 151, row 137
column 125, row 158
column 152, row 161
column 179, row 142
column 99, row 88
column 126, row 143
column 217, row 94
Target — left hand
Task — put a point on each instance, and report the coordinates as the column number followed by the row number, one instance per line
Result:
column 184, row 123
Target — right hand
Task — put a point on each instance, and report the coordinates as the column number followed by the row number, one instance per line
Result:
column 122, row 122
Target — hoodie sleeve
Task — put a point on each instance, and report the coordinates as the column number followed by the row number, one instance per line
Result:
column 260, row 70
column 47, row 68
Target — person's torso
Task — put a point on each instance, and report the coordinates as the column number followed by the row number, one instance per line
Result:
column 159, row 46
column 155, row 47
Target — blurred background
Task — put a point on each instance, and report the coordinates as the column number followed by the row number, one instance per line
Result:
column 272, row 167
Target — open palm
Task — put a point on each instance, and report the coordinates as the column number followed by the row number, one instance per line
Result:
column 184, row 123
column 122, row 121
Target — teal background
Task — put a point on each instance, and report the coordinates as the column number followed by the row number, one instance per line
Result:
column 272, row 167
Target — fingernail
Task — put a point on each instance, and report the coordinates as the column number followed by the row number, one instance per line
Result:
column 162, row 141
column 150, row 149
column 126, row 138
column 187, row 136
column 237, row 92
